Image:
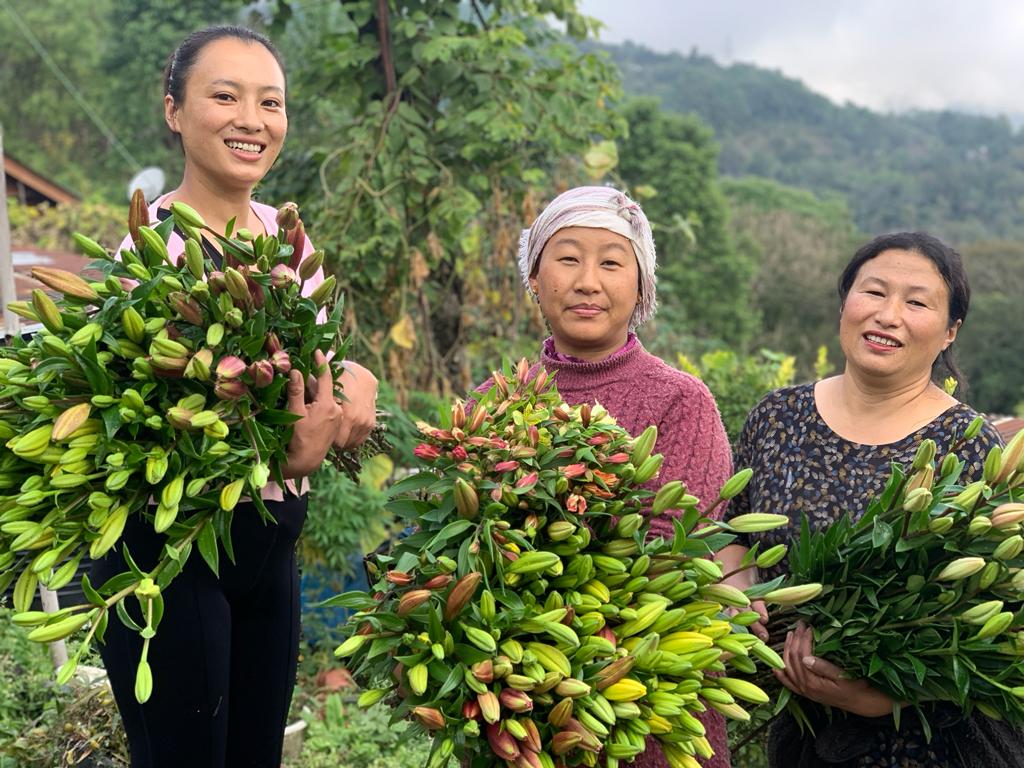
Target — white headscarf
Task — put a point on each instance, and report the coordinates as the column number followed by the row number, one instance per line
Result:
column 600, row 208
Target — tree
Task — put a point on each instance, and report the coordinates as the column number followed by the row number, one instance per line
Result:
column 990, row 346
column 704, row 280
column 43, row 126
column 801, row 244
column 435, row 131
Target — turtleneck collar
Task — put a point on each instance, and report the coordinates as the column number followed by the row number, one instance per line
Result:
column 552, row 357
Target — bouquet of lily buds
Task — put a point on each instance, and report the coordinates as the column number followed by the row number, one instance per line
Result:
column 532, row 620
column 923, row 595
column 157, row 390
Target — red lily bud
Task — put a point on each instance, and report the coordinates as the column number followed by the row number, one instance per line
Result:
column 262, row 373
column 459, row 453
column 515, row 701
column 439, row 582
column 574, row 470
column 426, row 451
column 287, row 216
column 501, row 741
column 506, row 466
column 527, row 481
column 281, row 276
column 618, row 458
column 187, row 307
column 230, row 389
column 218, row 284
column 272, row 344
column 398, row 577
column 297, row 240
column 230, row 367
column 281, row 361
column 471, row 710
column 483, row 671
column 428, row 717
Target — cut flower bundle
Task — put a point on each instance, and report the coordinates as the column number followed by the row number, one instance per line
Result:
column 923, row 594
column 158, row 390
column 530, row 620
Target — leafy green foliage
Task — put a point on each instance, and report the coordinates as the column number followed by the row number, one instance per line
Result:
column 432, row 149
column 51, row 227
column 800, row 242
column 670, row 162
column 346, row 516
column 989, row 347
column 738, row 382
column 349, row 737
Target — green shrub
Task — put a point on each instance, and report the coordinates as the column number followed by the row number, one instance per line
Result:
column 738, row 382
column 348, row 737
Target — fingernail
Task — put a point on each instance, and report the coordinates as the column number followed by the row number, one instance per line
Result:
column 808, row 661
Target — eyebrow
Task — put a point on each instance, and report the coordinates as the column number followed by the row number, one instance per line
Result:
column 234, row 84
column 911, row 288
column 606, row 247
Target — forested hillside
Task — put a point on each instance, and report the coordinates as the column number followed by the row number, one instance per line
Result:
column 957, row 175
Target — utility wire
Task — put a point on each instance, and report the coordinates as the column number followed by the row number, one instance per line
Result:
column 27, row 33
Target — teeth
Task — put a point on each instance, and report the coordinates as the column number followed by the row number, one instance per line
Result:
column 882, row 340
column 244, row 147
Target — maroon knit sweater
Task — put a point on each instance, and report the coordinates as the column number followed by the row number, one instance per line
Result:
column 639, row 389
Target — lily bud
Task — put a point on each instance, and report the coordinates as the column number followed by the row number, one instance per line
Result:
column 281, row 276
column 272, row 344
column 426, row 452
column 187, row 307
column 515, row 701
column 179, row 418
column 297, row 240
column 483, row 671
column 230, row 367
column 428, row 717
column 287, row 216
column 218, row 284
column 281, row 361
column 138, row 216
column 311, row 265
column 199, row 366
column 262, row 373
column 230, row 389
column 234, row 317
column 961, row 568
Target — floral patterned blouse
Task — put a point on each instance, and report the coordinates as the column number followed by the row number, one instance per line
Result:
column 801, row 466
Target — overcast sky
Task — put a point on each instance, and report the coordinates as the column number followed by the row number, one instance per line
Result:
column 883, row 54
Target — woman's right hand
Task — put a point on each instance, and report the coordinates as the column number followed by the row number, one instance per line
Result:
column 316, row 430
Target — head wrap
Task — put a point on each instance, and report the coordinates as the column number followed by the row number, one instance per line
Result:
column 600, row 208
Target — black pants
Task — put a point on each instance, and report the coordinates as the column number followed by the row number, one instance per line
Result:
column 224, row 658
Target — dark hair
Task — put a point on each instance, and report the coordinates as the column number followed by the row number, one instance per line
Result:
column 180, row 63
column 950, row 266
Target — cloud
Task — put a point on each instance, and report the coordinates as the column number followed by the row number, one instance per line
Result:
column 881, row 54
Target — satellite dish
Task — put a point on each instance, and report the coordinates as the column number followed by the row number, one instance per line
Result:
column 150, row 180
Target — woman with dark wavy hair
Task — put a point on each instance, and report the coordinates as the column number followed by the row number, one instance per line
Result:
column 825, row 449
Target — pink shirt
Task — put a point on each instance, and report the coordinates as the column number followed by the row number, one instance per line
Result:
column 268, row 217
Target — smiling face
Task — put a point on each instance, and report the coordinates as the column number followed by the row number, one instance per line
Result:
column 895, row 320
column 587, row 285
column 232, row 120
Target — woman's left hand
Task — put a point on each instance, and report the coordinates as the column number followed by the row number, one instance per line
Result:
column 821, row 681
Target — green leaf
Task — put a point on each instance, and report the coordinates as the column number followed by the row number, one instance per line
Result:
column 359, row 601
column 207, row 541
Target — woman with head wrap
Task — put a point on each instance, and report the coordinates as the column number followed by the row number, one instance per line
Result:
column 589, row 262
